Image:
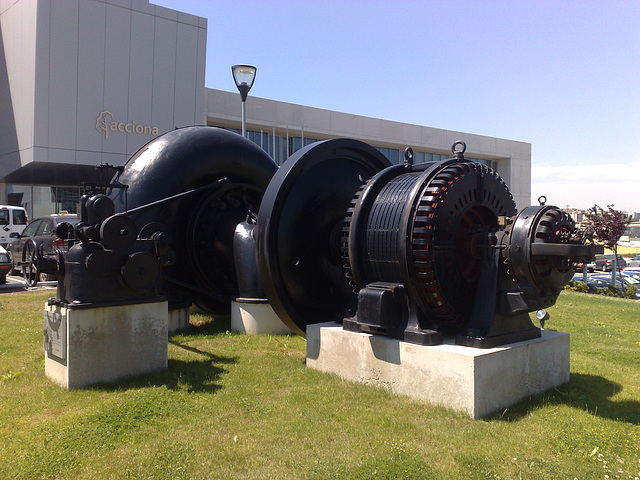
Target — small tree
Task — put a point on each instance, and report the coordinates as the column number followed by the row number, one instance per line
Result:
column 608, row 226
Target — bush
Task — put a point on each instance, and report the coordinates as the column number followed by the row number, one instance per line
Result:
column 611, row 291
column 577, row 286
column 608, row 291
column 630, row 292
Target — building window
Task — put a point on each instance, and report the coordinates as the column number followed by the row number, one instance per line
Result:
column 65, row 199
column 424, row 157
column 275, row 145
column 279, row 149
column 296, row 143
column 392, row 154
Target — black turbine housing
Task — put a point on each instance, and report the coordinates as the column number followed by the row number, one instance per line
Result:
column 196, row 184
column 164, row 226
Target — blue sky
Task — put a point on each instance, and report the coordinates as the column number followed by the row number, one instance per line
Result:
column 562, row 75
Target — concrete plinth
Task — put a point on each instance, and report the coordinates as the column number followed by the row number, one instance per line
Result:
column 470, row 380
column 255, row 316
column 179, row 319
column 87, row 346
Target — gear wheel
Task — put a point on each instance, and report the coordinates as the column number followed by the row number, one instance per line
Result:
column 344, row 238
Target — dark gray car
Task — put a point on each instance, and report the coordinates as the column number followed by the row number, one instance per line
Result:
column 634, row 262
column 42, row 232
column 605, row 262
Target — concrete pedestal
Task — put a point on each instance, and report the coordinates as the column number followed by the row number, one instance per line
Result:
column 86, row 346
column 255, row 316
column 470, row 380
column 179, row 319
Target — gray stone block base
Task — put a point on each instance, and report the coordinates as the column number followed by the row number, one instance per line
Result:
column 474, row 381
column 86, row 346
column 255, row 316
column 179, row 319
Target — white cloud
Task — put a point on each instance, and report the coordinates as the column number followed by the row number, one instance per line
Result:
column 583, row 186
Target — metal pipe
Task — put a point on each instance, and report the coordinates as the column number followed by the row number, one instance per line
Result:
column 244, row 121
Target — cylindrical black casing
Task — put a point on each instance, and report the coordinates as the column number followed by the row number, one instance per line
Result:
column 417, row 226
column 244, row 254
column 81, row 284
column 202, row 224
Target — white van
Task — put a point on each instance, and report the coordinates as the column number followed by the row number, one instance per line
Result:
column 12, row 220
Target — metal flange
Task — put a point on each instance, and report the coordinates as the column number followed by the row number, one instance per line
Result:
column 298, row 231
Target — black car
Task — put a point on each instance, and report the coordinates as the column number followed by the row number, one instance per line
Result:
column 42, row 232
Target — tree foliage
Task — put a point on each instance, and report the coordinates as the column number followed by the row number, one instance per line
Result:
column 608, row 225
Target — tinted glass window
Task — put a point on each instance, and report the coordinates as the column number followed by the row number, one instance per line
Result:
column 296, row 144
column 19, row 217
column 391, row 153
column 65, row 219
column 45, row 228
column 4, row 217
column 31, row 229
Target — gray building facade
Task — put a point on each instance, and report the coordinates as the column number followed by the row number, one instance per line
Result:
column 283, row 128
column 85, row 82
column 88, row 82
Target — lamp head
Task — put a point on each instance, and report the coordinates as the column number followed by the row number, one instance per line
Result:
column 244, row 76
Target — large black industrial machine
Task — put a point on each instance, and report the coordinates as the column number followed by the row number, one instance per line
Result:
column 410, row 251
column 415, row 252
column 165, row 223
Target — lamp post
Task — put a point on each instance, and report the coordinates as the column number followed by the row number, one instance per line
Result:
column 244, row 75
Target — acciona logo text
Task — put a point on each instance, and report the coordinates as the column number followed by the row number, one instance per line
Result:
column 106, row 123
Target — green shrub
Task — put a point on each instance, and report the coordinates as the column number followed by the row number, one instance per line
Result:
column 630, row 292
column 608, row 291
column 611, row 291
column 577, row 286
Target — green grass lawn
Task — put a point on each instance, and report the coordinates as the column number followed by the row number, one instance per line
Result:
column 234, row 406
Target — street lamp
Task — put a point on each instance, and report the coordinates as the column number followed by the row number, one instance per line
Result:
column 244, row 75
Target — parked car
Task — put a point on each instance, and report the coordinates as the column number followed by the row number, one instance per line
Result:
column 602, row 281
column 632, row 280
column 579, row 267
column 634, row 262
column 632, row 271
column 605, row 262
column 5, row 265
column 12, row 220
column 42, row 232
column 597, row 282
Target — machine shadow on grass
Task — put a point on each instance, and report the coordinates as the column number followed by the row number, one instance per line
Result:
column 590, row 393
column 207, row 324
column 191, row 376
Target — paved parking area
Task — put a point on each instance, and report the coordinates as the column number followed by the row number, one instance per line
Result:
column 16, row 284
